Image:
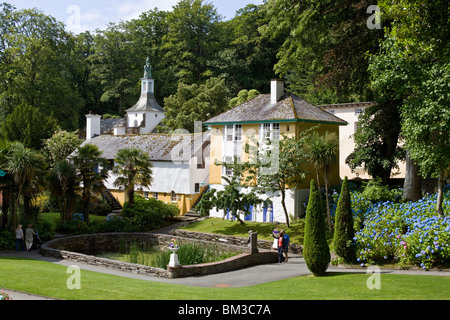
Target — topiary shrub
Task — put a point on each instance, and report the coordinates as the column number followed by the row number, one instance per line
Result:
column 315, row 247
column 343, row 229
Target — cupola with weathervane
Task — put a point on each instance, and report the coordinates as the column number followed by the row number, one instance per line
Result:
column 146, row 114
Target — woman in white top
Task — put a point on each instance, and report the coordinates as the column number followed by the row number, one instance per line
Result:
column 19, row 237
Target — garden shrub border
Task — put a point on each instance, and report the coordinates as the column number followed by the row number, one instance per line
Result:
column 81, row 248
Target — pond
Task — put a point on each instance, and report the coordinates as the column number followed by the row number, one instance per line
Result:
column 159, row 256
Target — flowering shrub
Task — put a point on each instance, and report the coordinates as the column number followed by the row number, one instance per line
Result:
column 173, row 243
column 406, row 233
column 4, row 296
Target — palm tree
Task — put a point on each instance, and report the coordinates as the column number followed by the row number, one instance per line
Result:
column 92, row 169
column 26, row 167
column 322, row 151
column 133, row 167
column 64, row 184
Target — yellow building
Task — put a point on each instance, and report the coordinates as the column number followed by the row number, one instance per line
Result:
column 266, row 118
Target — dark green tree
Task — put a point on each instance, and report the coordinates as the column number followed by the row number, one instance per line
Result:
column 28, row 125
column 343, row 226
column 91, row 167
column 315, row 247
column 194, row 103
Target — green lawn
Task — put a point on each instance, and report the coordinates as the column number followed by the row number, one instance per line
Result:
column 234, row 228
column 48, row 279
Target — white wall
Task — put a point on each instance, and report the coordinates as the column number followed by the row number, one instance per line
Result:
column 278, row 212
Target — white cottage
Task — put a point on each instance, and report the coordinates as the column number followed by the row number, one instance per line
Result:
column 180, row 162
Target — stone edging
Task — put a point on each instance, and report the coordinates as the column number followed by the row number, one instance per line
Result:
column 79, row 247
column 238, row 241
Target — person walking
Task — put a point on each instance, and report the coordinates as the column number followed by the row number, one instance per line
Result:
column 19, row 237
column 281, row 241
column 29, row 233
column 286, row 244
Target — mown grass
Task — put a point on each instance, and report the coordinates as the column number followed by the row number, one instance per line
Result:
column 234, row 228
column 49, row 279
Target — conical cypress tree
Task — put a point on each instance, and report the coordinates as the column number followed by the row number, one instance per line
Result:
column 315, row 247
column 343, row 229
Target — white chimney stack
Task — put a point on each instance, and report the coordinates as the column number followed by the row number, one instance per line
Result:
column 276, row 89
column 92, row 125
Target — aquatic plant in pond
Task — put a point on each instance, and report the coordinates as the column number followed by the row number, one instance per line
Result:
column 188, row 254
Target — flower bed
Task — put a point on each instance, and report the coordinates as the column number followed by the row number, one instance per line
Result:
column 406, row 233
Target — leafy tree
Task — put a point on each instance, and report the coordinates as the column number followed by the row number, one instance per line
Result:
column 133, row 166
column 278, row 169
column 36, row 65
column 343, row 228
column 377, row 137
column 232, row 199
column 243, row 96
column 61, row 145
column 248, row 56
column 323, row 151
column 323, row 57
column 414, row 60
column 191, row 40
column 315, row 247
column 194, row 103
column 91, row 167
column 21, row 126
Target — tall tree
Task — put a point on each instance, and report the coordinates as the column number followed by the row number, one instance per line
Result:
column 191, row 40
column 315, row 246
column 323, row 152
column 323, row 58
column 64, row 184
column 133, row 166
column 414, row 60
column 21, row 126
column 36, row 64
column 26, row 166
column 279, row 168
column 92, row 169
column 194, row 103
column 344, row 230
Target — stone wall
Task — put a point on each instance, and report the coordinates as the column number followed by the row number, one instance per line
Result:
column 219, row 238
column 81, row 248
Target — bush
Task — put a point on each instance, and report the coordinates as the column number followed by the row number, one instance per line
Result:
column 315, row 247
column 148, row 214
column 344, row 231
column 376, row 192
column 114, row 224
column 7, row 240
column 406, row 233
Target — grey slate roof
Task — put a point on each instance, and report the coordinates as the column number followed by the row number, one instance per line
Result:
column 146, row 102
column 107, row 125
column 160, row 147
column 288, row 108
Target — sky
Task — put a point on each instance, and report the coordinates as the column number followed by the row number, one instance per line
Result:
column 82, row 15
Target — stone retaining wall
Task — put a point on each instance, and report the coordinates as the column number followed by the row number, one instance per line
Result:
column 218, row 238
column 82, row 247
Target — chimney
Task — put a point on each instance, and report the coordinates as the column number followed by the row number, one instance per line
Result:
column 92, row 125
column 276, row 89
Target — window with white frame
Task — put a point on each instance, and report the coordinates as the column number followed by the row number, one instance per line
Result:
column 146, row 194
column 232, row 132
column 173, row 196
column 358, row 111
column 155, row 195
column 270, row 131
